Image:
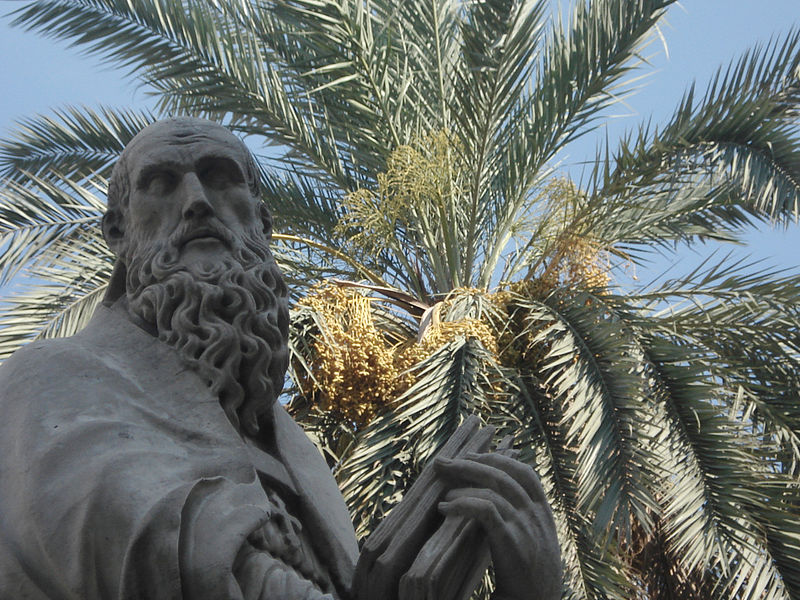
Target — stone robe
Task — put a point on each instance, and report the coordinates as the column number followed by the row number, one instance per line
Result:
column 122, row 478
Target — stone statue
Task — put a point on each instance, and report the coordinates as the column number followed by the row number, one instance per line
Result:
column 147, row 457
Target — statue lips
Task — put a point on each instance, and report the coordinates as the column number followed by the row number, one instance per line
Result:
column 204, row 234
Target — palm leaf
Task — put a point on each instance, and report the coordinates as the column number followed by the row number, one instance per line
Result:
column 32, row 218
column 581, row 65
column 76, row 142
column 589, row 571
column 67, row 282
column 453, row 382
column 740, row 142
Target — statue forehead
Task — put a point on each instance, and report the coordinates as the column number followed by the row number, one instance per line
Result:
column 186, row 138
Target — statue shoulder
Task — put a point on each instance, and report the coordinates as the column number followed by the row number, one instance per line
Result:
column 46, row 356
column 92, row 355
column 50, row 371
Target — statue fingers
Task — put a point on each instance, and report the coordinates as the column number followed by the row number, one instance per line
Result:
column 522, row 472
column 472, row 472
column 472, row 504
column 512, row 541
column 505, row 511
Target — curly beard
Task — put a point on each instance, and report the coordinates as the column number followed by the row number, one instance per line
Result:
column 228, row 319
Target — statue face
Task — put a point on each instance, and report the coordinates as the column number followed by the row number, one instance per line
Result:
column 188, row 187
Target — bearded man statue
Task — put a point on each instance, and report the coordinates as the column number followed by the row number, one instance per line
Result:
column 147, row 457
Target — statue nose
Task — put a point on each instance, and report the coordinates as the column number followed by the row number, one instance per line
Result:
column 197, row 208
column 196, row 204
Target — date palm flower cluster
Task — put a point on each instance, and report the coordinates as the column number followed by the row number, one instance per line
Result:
column 419, row 181
column 357, row 371
column 353, row 368
column 571, row 259
column 412, row 154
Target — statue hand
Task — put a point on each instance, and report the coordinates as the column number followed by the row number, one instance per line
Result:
column 505, row 497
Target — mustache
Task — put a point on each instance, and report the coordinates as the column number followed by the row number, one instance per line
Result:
column 188, row 231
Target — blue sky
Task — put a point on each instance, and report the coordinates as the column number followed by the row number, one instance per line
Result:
column 701, row 35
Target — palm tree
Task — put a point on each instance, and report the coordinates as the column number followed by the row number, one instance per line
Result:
column 409, row 152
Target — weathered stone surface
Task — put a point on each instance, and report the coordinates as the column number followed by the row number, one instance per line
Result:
column 146, row 457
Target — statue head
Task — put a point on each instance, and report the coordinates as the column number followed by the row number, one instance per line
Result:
column 182, row 171
column 191, row 238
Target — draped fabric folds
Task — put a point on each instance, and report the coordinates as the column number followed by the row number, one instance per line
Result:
column 121, row 477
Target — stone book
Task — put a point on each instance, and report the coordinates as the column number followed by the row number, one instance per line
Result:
column 417, row 554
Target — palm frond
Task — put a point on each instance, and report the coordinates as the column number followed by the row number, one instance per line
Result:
column 453, row 382
column 722, row 304
column 301, row 206
column 709, row 508
column 590, row 369
column 589, row 570
column 193, row 54
column 717, row 478
column 77, row 142
column 737, row 146
column 33, row 217
column 582, row 64
column 500, row 45
column 67, row 282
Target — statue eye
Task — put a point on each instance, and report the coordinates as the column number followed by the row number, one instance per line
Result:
column 220, row 174
column 216, row 177
column 160, row 182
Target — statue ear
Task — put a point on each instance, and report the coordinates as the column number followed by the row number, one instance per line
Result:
column 114, row 230
column 266, row 219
